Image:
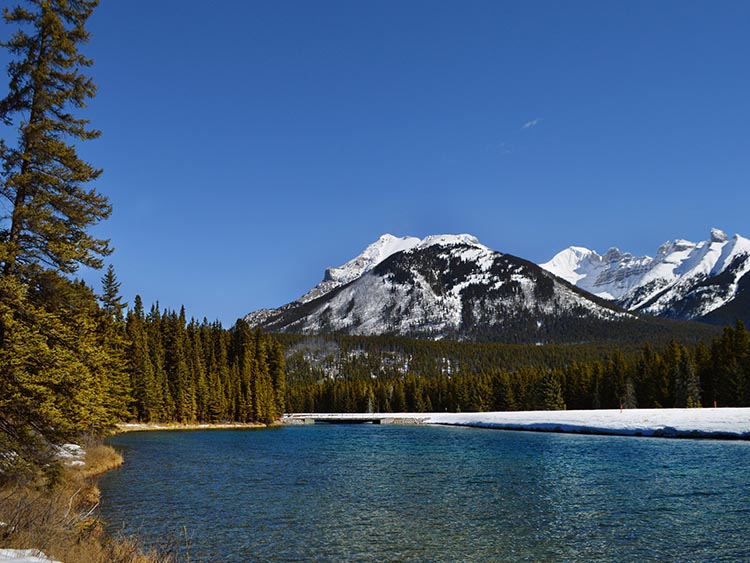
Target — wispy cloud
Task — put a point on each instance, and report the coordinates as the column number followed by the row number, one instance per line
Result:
column 531, row 124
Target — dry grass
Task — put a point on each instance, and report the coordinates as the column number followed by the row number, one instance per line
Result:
column 59, row 517
column 100, row 459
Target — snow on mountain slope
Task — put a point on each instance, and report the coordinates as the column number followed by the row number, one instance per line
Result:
column 373, row 255
column 685, row 280
column 448, row 286
column 383, row 248
column 610, row 276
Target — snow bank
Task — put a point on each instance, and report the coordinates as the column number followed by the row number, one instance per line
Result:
column 725, row 423
column 24, row 556
column 674, row 423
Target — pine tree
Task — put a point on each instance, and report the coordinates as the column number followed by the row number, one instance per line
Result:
column 146, row 396
column 110, row 298
column 550, row 392
column 43, row 179
column 54, row 372
column 276, row 368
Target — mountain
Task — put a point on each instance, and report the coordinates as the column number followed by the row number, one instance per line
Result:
column 705, row 281
column 373, row 255
column 449, row 286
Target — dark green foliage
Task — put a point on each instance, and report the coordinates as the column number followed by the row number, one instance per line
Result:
column 726, row 375
column 342, row 373
column 199, row 372
column 56, row 377
column 549, row 391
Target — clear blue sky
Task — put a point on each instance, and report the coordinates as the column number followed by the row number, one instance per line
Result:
column 248, row 145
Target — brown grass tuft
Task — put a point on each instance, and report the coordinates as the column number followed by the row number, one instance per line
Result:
column 100, row 458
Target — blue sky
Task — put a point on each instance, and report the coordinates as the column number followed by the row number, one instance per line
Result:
column 249, row 145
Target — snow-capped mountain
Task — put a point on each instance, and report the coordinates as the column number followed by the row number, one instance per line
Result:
column 685, row 280
column 447, row 286
column 373, row 255
column 370, row 257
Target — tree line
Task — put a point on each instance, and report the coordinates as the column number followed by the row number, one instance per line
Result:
column 189, row 371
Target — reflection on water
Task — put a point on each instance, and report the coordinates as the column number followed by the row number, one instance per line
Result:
column 397, row 494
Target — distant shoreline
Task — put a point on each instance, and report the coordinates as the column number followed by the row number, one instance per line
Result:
column 722, row 423
column 714, row 424
column 159, row 426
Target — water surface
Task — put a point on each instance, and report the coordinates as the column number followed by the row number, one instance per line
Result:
column 370, row 493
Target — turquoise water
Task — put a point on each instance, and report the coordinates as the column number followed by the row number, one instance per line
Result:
column 371, row 493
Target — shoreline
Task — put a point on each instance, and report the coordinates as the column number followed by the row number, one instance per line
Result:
column 700, row 423
column 714, row 424
column 161, row 426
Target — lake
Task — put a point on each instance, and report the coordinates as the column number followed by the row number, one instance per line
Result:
column 371, row 493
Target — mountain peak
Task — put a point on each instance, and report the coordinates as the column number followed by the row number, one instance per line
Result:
column 567, row 263
column 614, row 255
column 451, row 240
column 384, row 247
column 717, row 235
column 442, row 286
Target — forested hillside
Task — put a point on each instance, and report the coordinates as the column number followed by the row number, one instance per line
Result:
column 348, row 374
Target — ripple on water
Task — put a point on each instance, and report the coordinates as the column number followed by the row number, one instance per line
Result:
column 398, row 494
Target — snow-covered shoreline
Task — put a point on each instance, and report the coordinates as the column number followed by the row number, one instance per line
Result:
column 720, row 423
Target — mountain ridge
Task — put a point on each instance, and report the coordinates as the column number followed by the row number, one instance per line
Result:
column 685, row 280
column 446, row 287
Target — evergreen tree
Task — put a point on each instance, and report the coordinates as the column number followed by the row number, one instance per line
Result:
column 276, row 369
column 629, row 398
column 146, row 397
column 43, row 179
column 550, row 393
column 111, row 300
column 52, row 371
column 55, row 375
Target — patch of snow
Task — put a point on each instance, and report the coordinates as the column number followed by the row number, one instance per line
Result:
column 610, row 276
column 451, row 240
column 569, row 264
column 24, row 556
column 386, row 246
column 70, row 451
column 72, row 454
column 717, row 235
